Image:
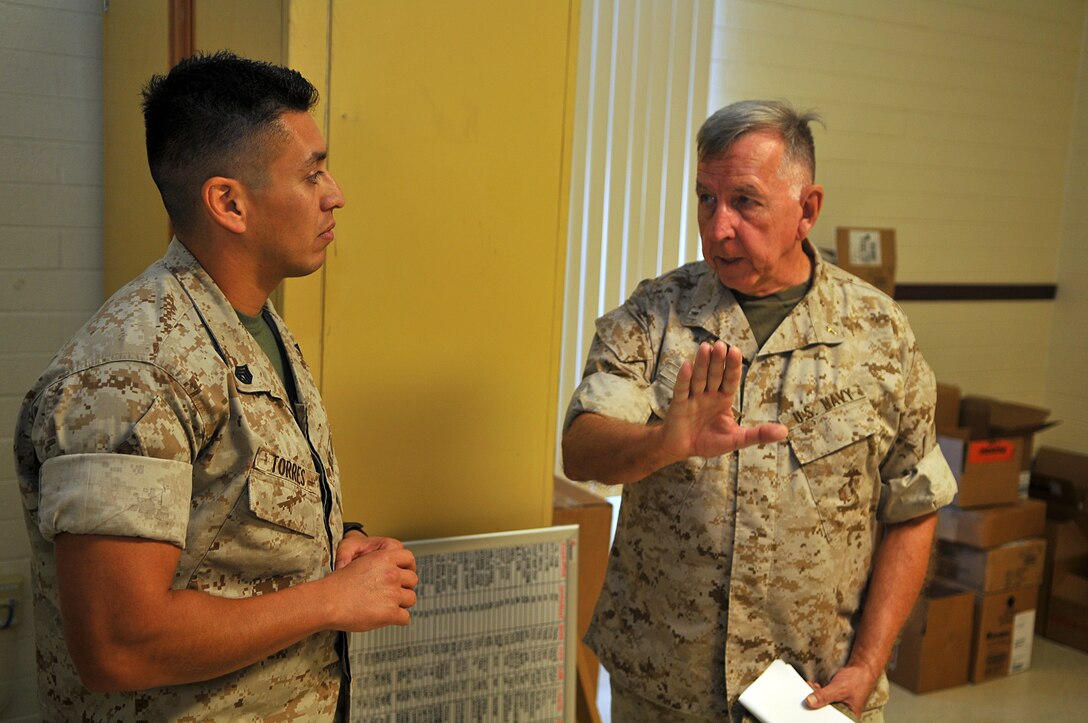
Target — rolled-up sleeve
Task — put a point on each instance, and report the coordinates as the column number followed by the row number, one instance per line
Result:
column 925, row 488
column 116, row 443
column 115, row 494
column 915, row 477
column 616, row 380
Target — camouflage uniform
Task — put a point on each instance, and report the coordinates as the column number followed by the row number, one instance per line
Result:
column 722, row 565
column 162, row 419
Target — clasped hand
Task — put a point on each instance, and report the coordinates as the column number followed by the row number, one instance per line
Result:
column 379, row 581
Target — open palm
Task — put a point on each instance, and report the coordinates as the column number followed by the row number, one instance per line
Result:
column 700, row 421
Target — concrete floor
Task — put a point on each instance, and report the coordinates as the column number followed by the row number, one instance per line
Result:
column 1054, row 689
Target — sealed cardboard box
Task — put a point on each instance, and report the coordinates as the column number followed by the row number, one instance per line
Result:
column 987, row 471
column 934, row 650
column 1003, row 634
column 1012, row 565
column 993, row 525
column 868, row 253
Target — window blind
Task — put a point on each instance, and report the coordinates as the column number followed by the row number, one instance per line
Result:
column 643, row 77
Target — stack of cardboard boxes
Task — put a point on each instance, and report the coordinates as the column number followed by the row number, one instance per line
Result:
column 976, row 620
column 934, row 649
column 996, row 553
column 1060, row 479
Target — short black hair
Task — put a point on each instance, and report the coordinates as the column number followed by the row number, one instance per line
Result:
column 214, row 115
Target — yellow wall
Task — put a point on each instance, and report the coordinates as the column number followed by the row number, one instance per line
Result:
column 253, row 28
column 306, row 43
column 434, row 328
column 448, row 132
column 949, row 121
column 135, row 226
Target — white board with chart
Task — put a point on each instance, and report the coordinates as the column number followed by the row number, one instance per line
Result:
column 492, row 635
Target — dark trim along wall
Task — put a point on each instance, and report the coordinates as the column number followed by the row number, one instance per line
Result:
column 975, row 292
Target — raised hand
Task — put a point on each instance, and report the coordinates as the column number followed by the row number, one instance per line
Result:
column 700, row 421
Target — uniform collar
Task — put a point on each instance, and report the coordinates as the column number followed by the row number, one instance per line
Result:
column 252, row 369
column 813, row 320
column 714, row 308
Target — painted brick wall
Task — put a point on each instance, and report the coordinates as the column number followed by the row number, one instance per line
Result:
column 50, row 247
column 1067, row 375
column 950, row 121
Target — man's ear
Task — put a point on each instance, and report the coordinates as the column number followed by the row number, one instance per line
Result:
column 812, row 200
column 225, row 202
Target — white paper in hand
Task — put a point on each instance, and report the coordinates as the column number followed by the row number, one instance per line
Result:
column 778, row 696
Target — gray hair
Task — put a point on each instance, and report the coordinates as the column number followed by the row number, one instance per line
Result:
column 722, row 129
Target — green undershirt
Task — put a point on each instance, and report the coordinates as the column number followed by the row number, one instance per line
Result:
column 765, row 313
column 262, row 333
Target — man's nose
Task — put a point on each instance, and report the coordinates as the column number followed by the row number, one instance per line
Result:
column 723, row 224
column 335, row 197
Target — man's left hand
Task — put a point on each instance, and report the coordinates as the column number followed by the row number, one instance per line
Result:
column 851, row 685
column 356, row 544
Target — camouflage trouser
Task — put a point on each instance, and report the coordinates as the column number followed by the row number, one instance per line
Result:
column 630, row 707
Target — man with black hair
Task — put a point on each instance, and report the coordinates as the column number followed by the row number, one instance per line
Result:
column 180, row 488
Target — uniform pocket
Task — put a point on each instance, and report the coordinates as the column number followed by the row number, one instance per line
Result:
column 838, row 463
column 284, row 503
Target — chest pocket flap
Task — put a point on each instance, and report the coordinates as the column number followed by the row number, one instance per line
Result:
column 284, row 503
column 833, row 430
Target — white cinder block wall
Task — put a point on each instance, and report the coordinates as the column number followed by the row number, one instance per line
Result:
column 50, row 247
column 956, row 123
column 1067, row 375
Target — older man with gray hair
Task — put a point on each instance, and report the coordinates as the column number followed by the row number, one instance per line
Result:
column 771, row 419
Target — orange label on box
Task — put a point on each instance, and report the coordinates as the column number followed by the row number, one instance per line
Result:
column 991, row 450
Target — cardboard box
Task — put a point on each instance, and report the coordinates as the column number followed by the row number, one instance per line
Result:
column 1067, row 612
column 1005, row 567
column 1066, row 554
column 987, row 418
column 574, row 505
column 994, row 525
column 987, row 471
column 1003, row 634
column 947, row 414
column 1060, row 479
column 869, row 254
column 934, row 649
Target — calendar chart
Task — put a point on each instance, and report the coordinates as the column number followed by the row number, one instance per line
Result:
column 492, row 636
